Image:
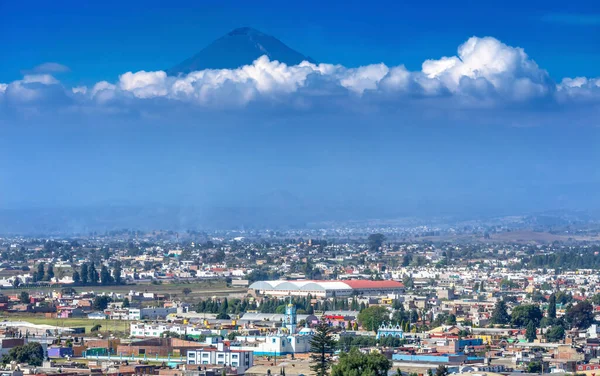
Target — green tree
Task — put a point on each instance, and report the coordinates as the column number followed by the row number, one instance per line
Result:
column 31, row 353
column 105, row 277
column 355, row 363
column 49, row 273
column 552, row 307
column 530, row 333
column 117, row 273
column 84, row 275
column 555, row 333
column 186, row 291
column 126, row 303
column 375, row 241
column 92, row 274
column 534, row 367
column 580, row 316
column 500, row 315
column 451, row 319
column 442, row 370
column 371, row 318
column 39, row 276
column 322, row 346
column 76, row 277
column 408, row 282
column 24, row 297
column 101, row 302
column 522, row 314
column 95, row 328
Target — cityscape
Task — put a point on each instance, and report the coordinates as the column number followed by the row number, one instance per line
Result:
column 200, row 188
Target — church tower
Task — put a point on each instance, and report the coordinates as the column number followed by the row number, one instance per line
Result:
column 290, row 320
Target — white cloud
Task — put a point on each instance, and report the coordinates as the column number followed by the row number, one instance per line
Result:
column 364, row 78
column 144, row 84
column 45, row 79
column 484, row 73
column 511, row 73
column 79, row 90
column 51, row 67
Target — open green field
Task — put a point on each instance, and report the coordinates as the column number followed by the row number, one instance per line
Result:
column 172, row 290
column 112, row 326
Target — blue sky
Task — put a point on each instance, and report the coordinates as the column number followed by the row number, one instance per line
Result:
column 478, row 108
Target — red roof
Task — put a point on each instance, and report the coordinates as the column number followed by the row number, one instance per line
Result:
column 367, row 284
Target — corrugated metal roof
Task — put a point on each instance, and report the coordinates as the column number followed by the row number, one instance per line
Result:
column 367, row 284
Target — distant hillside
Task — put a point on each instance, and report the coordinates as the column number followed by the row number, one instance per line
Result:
column 239, row 47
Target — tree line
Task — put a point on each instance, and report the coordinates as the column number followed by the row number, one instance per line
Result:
column 304, row 305
column 89, row 275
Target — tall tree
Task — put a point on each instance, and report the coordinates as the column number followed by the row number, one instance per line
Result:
column 117, row 273
column 500, row 315
column 105, row 277
column 93, row 274
column 375, row 241
column 49, row 273
column 530, row 333
column 555, row 333
column 40, row 272
column 84, row 274
column 552, row 307
column 76, row 277
column 322, row 346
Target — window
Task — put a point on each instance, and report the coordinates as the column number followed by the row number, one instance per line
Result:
column 234, row 356
column 234, row 364
column 205, row 355
column 221, row 355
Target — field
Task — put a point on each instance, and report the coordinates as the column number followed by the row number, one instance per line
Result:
column 112, row 326
column 171, row 290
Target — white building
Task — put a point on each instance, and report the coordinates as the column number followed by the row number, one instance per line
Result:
column 275, row 345
column 222, row 355
column 144, row 330
column 150, row 313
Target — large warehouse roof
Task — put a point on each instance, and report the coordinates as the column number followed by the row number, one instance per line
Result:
column 367, row 284
column 306, row 285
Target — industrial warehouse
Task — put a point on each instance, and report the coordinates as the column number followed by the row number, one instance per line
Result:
column 326, row 288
